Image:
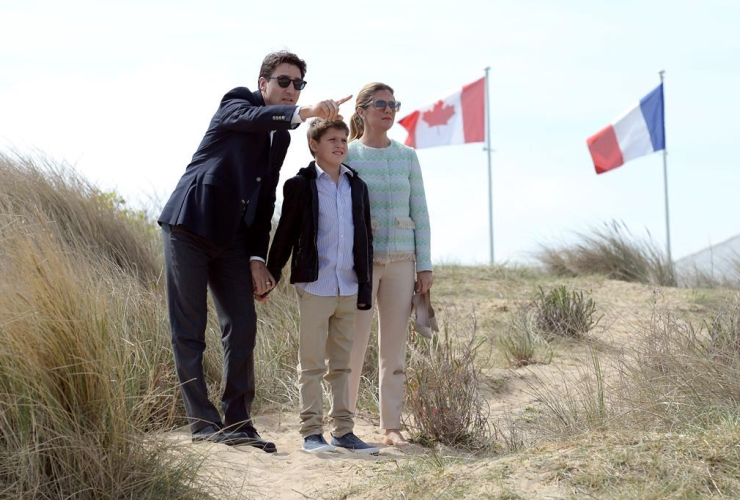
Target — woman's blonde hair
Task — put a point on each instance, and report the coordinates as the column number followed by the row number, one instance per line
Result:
column 364, row 98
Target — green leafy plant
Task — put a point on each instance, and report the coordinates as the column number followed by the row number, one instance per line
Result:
column 564, row 314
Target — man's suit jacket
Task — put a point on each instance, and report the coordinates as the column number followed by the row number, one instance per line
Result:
column 234, row 167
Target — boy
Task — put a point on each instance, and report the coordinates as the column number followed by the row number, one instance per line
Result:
column 325, row 224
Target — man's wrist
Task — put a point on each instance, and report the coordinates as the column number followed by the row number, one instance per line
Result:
column 256, row 258
column 297, row 119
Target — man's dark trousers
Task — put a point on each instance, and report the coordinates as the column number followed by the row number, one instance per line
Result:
column 193, row 264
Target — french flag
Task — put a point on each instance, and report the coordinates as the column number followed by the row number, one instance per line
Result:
column 637, row 132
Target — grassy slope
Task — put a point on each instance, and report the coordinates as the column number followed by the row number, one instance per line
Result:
column 537, row 459
column 85, row 341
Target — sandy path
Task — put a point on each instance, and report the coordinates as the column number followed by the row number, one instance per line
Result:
column 245, row 472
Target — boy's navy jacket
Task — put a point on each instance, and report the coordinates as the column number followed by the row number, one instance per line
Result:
column 297, row 232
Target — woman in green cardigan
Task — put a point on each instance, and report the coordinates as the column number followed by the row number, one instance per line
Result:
column 401, row 241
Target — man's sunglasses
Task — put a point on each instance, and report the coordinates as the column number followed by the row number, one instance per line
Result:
column 382, row 103
column 284, row 81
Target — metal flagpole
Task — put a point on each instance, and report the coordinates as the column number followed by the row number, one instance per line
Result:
column 490, row 185
column 665, row 182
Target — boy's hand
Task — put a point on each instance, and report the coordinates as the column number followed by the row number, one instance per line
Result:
column 328, row 109
column 262, row 280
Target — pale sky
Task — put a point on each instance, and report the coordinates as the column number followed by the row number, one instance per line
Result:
column 125, row 91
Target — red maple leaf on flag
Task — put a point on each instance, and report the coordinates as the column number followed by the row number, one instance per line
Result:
column 439, row 114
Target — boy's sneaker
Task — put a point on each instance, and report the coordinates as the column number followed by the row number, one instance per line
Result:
column 316, row 443
column 353, row 443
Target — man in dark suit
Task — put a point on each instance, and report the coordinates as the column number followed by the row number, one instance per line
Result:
column 216, row 230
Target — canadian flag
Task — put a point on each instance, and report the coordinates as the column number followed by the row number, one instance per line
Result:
column 457, row 119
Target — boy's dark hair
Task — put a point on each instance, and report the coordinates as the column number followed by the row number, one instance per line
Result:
column 275, row 59
column 320, row 126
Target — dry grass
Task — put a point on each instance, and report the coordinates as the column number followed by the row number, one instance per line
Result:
column 83, row 369
column 656, row 465
column 674, row 376
column 436, row 475
column 523, row 343
column 614, row 252
column 471, row 283
column 659, row 417
column 37, row 189
column 654, row 419
column 443, row 397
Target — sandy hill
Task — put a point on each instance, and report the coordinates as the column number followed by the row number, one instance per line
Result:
column 528, row 464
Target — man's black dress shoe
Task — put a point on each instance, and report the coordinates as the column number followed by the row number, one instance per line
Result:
column 252, row 438
column 213, row 434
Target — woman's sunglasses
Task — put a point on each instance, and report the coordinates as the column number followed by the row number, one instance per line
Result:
column 284, row 81
column 382, row 103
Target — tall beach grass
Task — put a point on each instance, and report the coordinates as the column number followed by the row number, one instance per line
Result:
column 87, row 379
column 613, row 251
column 85, row 366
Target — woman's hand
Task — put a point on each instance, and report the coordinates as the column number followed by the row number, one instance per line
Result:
column 423, row 281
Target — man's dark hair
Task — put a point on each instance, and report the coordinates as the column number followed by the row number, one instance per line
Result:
column 275, row 59
column 321, row 126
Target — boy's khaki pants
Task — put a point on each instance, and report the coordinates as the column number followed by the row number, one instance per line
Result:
column 327, row 332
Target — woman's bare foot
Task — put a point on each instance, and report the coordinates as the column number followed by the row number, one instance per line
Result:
column 393, row 437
